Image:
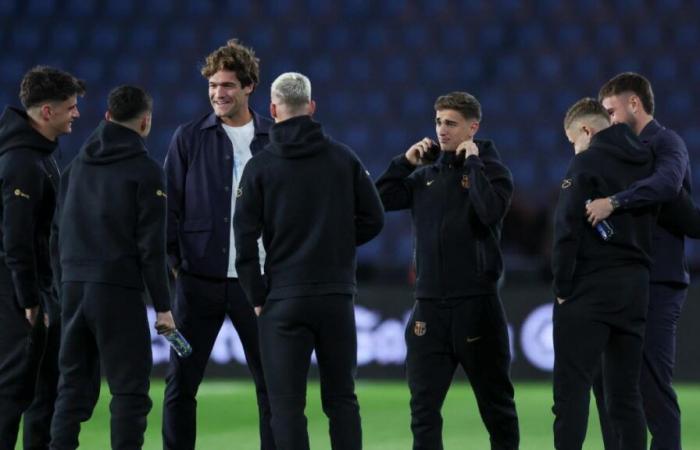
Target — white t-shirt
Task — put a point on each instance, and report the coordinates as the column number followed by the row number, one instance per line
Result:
column 240, row 137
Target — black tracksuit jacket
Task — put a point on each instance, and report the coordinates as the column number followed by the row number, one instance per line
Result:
column 111, row 215
column 614, row 160
column 28, row 179
column 313, row 202
column 458, row 208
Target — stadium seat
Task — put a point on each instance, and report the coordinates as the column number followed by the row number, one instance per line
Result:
column 159, row 7
column 608, row 36
column 569, row 36
column 664, row 69
column 119, row 8
column 650, row 38
column 510, row 68
column 90, row 69
column 143, row 39
column 105, row 38
column 687, row 35
column 7, row 7
column 64, row 39
column 26, row 37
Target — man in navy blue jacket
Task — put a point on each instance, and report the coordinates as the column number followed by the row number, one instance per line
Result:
column 629, row 99
column 313, row 203
column 204, row 166
column 458, row 204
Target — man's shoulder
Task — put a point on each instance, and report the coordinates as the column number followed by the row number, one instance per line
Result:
column 197, row 125
column 19, row 159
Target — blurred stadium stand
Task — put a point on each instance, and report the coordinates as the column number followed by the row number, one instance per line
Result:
column 377, row 68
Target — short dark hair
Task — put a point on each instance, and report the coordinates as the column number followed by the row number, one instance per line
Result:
column 47, row 84
column 630, row 82
column 585, row 107
column 234, row 57
column 463, row 102
column 128, row 102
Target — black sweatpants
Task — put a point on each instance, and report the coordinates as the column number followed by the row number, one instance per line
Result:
column 200, row 308
column 605, row 316
column 290, row 330
column 21, row 347
column 37, row 418
column 105, row 327
column 471, row 332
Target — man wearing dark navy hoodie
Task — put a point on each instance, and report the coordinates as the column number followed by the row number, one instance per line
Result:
column 29, row 180
column 313, row 203
column 628, row 98
column 204, row 166
column 111, row 220
column 458, row 204
column 601, row 280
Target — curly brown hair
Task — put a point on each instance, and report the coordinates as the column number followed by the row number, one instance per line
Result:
column 237, row 58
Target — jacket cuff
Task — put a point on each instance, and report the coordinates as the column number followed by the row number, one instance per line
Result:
column 563, row 289
column 26, row 290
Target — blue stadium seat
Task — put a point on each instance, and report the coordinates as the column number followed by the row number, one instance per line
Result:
column 166, row 71
column 436, row 69
column 527, row 103
column 416, row 103
column 650, row 38
column 529, row 36
column 279, row 8
column 143, row 38
column 127, row 71
column 569, row 36
column 321, row 70
column 79, row 8
column 627, row 64
column 7, row 7
column 90, row 69
column 41, row 8
column 358, row 138
column 679, row 103
column 524, row 175
column 493, row 102
column 376, row 103
column 664, row 69
column 548, row 67
column 394, row 141
column 491, row 36
column 396, row 69
column 199, row 8
column 376, row 37
column 563, row 100
column 338, row 38
column 392, row 8
column 687, row 35
column 159, row 7
column 65, row 39
column 105, row 38
column 358, row 68
column 510, row 68
column 471, row 69
column 547, row 140
column 260, row 38
column 26, row 37
column 340, row 103
column 691, row 135
column 608, row 36
column 181, row 37
column 299, row 38
column 319, row 8
column 119, row 8
column 240, row 8
column 586, row 68
column 415, row 36
column 454, row 36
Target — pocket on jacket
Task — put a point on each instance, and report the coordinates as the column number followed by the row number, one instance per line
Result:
column 195, row 237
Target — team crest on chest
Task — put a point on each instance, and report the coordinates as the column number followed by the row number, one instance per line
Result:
column 419, row 328
column 465, row 182
column 566, row 183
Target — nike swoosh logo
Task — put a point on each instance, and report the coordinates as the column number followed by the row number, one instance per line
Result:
column 473, row 339
column 428, row 183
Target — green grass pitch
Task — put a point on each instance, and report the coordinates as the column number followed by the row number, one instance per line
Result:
column 227, row 418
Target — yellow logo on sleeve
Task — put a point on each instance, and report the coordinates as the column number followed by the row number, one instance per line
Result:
column 160, row 193
column 19, row 193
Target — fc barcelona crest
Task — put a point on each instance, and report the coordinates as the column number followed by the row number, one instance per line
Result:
column 465, row 182
column 419, row 328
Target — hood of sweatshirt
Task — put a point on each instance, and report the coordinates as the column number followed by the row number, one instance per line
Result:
column 298, row 137
column 620, row 142
column 17, row 132
column 111, row 142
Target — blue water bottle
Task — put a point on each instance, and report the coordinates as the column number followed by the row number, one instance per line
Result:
column 179, row 344
column 604, row 229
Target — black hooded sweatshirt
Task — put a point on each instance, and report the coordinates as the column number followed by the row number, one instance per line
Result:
column 313, row 202
column 457, row 206
column 111, row 215
column 614, row 159
column 28, row 179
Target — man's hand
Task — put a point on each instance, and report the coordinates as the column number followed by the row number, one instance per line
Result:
column 414, row 155
column 258, row 310
column 469, row 148
column 46, row 320
column 32, row 314
column 164, row 322
column 598, row 210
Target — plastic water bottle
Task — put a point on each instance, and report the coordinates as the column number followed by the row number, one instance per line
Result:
column 604, row 229
column 179, row 344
